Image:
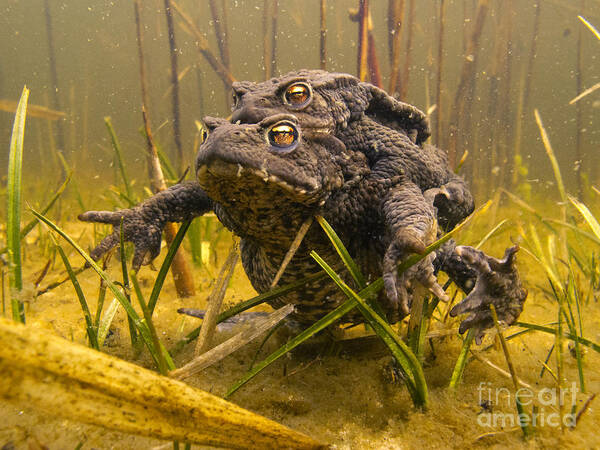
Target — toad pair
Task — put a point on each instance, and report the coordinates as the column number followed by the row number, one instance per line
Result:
column 318, row 143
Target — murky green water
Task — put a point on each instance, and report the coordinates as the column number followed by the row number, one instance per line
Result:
column 81, row 58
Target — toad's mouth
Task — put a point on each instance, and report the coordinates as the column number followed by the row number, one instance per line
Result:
column 220, row 177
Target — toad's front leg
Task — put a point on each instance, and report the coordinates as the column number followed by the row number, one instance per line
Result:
column 143, row 224
column 411, row 226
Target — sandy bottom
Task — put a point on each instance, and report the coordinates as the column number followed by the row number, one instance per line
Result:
column 343, row 398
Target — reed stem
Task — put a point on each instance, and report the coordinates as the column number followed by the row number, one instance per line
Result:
column 395, row 21
column 579, row 110
column 60, row 132
column 175, row 87
column 202, row 44
column 440, row 64
column 363, row 39
column 466, row 81
column 181, row 273
column 403, row 89
column 323, row 34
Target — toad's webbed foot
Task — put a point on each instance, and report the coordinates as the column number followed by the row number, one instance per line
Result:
column 143, row 224
column 497, row 283
column 398, row 287
column 145, row 233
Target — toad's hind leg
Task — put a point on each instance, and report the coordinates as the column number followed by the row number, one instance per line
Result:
column 410, row 226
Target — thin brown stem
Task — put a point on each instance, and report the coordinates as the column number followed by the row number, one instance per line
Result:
column 181, row 274
column 363, row 39
column 373, row 64
column 60, row 133
column 323, row 34
column 440, row 60
column 395, row 21
column 202, row 44
column 274, row 19
column 467, row 80
column 266, row 41
column 175, row 86
column 403, row 89
column 220, row 32
column 579, row 111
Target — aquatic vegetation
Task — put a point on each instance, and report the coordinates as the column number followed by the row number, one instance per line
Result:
column 13, row 219
column 477, row 68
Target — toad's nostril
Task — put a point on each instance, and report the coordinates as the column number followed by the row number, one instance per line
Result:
column 246, row 115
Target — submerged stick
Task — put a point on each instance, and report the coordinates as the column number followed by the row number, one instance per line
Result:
column 182, row 277
column 370, row 63
column 374, row 71
column 202, row 44
column 403, row 89
column 292, row 250
column 363, row 39
column 33, row 110
column 266, row 41
column 579, row 110
column 60, row 136
column 440, row 60
column 323, row 35
column 467, row 79
column 54, row 375
column 395, row 21
column 220, row 26
column 175, row 86
column 274, row 19
column 214, row 302
column 229, row 346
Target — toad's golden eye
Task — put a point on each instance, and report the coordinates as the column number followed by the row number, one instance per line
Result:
column 297, row 95
column 201, row 132
column 283, row 136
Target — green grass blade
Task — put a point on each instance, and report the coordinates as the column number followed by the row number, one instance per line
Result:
column 404, row 356
column 462, row 360
column 164, row 268
column 91, row 330
column 491, row 233
column 100, row 302
column 577, row 230
column 591, row 27
column 587, row 215
column 321, row 324
column 164, row 363
column 549, row 330
column 117, row 147
column 32, row 223
column 106, row 321
column 13, row 225
column 341, row 249
column 552, row 157
column 140, row 325
column 132, row 330
column 331, row 317
column 74, row 186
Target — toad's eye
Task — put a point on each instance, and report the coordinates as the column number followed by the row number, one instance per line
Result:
column 202, row 132
column 283, row 136
column 297, row 95
column 234, row 99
